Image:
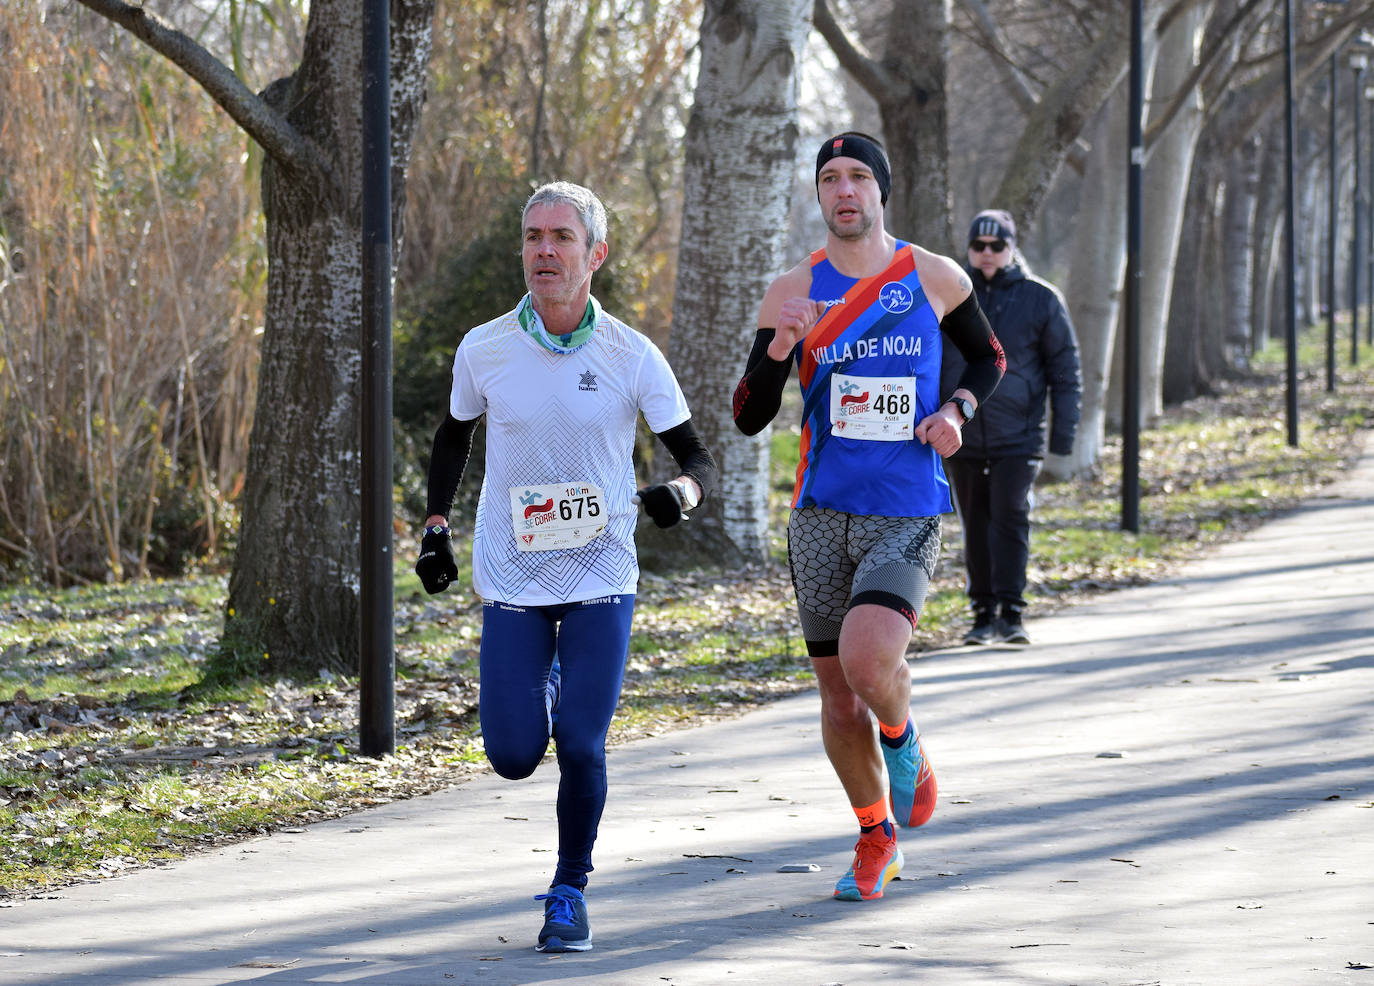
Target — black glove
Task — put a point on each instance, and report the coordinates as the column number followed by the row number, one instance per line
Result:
column 663, row 503
column 436, row 566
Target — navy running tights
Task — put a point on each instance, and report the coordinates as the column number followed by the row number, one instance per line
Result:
column 591, row 639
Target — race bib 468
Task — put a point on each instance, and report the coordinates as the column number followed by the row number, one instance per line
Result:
column 875, row 409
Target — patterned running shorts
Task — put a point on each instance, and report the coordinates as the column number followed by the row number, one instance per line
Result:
column 841, row 560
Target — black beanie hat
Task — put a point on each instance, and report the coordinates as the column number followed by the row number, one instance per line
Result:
column 996, row 223
column 860, row 147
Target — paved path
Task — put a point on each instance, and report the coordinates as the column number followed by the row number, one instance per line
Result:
column 1174, row 786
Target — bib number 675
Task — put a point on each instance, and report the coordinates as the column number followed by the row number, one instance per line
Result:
column 579, row 507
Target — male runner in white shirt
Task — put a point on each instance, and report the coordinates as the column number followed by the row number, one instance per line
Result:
column 561, row 383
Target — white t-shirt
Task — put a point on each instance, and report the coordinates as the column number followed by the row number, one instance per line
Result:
column 559, row 422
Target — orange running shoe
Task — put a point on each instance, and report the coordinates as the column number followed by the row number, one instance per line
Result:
column 877, row 859
column 911, row 782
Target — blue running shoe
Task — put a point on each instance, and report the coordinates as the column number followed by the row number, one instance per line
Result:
column 565, row 921
column 553, row 692
column 877, row 859
column 911, row 782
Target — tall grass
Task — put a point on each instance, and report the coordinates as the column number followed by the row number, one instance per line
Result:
column 131, row 288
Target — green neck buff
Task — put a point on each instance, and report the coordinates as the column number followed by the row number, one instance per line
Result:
column 534, row 326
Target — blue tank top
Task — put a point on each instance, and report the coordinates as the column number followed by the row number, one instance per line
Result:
column 869, row 371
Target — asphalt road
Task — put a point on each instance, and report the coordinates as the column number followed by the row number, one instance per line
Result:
column 1174, row 785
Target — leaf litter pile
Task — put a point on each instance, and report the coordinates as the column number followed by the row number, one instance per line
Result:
column 112, row 757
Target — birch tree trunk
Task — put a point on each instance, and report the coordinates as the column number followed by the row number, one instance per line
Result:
column 1266, row 242
column 741, row 147
column 1096, row 268
column 1218, row 339
column 293, row 601
column 1165, row 188
column 1188, row 319
column 1209, row 312
column 1311, row 193
column 1238, row 226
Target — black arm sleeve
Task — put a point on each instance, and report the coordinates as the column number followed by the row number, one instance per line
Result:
column 1059, row 345
column 452, row 446
column 693, row 458
column 967, row 327
column 758, row 395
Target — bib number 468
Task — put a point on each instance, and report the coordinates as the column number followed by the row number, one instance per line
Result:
column 897, row 404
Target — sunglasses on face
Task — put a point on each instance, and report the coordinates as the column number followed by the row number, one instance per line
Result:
column 996, row 246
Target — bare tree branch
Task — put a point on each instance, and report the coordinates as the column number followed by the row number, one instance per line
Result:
column 867, row 72
column 1248, row 107
column 993, row 41
column 1205, row 64
column 1058, row 120
column 1167, row 17
column 1311, row 55
column 991, row 37
column 277, row 137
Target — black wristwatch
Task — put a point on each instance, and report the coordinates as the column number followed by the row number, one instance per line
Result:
column 964, row 407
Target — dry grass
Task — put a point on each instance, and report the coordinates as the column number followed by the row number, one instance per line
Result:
column 122, row 391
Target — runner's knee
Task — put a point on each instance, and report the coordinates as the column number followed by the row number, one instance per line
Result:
column 846, row 714
column 511, row 765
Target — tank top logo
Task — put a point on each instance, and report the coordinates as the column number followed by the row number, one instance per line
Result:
column 896, row 297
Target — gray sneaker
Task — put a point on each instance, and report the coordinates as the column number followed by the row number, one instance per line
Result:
column 1010, row 631
column 984, row 630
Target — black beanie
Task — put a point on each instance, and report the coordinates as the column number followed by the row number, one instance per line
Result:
column 992, row 222
column 860, row 147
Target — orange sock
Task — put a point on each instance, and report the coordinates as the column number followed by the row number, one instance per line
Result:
column 874, row 815
column 896, row 732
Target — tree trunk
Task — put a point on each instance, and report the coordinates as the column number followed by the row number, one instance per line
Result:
column 1187, row 321
column 1238, row 226
column 294, row 589
column 915, row 115
column 741, row 146
column 1278, row 289
column 1210, row 310
column 908, row 83
column 1266, row 242
column 1098, row 262
column 1165, row 189
column 1218, row 344
column 1311, row 224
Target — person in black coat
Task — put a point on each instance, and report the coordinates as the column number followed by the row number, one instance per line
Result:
column 1005, row 443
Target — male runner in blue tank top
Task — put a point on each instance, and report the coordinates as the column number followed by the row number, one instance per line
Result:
column 863, row 320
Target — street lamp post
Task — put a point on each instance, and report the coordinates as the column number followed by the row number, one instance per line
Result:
column 377, row 655
column 1369, row 224
column 1130, row 356
column 1369, row 254
column 1358, row 62
column 1290, row 231
column 1332, row 222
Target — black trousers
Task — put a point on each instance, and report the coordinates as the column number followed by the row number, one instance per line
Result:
column 993, row 497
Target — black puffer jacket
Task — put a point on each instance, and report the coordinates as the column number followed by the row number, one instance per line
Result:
column 1030, row 320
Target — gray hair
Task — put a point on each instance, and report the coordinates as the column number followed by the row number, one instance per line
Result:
column 588, row 206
